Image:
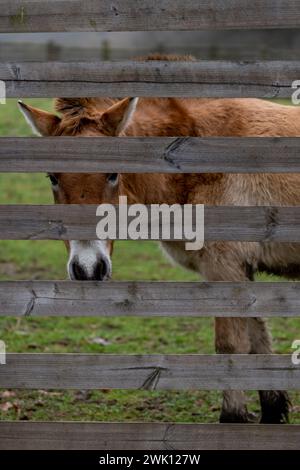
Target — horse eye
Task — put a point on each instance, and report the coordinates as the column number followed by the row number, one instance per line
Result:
column 53, row 179
column 112, row 178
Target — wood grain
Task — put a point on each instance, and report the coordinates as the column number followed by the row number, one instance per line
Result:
column 126, row 15
column 264, row 79
column 150, row 372
column 146, row 436
column 150, row 154
column 149, row 299
column 78, row 222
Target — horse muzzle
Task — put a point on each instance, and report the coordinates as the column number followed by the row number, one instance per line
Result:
column 89, row 261
column 99, row 272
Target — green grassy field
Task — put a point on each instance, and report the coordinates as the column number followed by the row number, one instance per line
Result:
column 131, row 261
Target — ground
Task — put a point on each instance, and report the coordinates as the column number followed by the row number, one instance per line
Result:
column 47, row 260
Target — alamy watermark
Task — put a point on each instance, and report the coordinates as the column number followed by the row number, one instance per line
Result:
column 2, row 92
column 296, row 353
column 153, row 222
column 2, row 352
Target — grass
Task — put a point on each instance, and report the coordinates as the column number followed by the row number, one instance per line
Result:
column 131, row 261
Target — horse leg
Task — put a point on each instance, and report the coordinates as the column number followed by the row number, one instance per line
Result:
column 232, row 338
column 274, row 403
column 231, row 334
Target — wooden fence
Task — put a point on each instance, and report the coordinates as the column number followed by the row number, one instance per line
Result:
column 146, row 15
column 148, row 155
column 171, row 299
column 270, row 79
column 34, row 298
column 78, row 222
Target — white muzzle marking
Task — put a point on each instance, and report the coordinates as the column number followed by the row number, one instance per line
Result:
column 90, row 258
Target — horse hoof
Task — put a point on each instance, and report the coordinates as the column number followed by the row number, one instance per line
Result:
column 275, row 407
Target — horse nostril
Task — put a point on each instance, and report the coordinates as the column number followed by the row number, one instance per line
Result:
column 78, row 272
column 101, row 270
column 97, row 272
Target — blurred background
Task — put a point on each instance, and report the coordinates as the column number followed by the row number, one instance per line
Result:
column 235, row 45
column 131, row 260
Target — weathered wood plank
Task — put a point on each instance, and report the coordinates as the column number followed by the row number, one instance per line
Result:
column 174, row 299
column 150, row 372
column 270, row 79
column 146, row 436
column 71, row 222
column 151, row 154
column 125, row 15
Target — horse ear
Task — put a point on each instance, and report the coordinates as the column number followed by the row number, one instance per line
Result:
column 117, row 118
column 41, row 122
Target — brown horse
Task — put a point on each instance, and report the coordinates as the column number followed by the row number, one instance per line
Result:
column 217, row 261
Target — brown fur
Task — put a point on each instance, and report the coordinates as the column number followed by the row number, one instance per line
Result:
column 217, row 261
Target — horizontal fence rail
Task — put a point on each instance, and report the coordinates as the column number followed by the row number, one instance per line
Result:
column 78, row 222
column 150, row 154
column 146, row 436
column 171, row 299
column 125, row 15
column 271, row 79
column 150, row 372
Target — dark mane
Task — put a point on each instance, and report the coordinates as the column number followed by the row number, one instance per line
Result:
column 81, row 106
column 167, row 57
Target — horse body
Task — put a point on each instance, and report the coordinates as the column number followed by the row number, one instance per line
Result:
column 217, row 261
column 248, row 117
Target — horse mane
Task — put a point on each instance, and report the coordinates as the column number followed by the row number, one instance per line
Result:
column 76, row 111
column 81, row 106
column 167, row 58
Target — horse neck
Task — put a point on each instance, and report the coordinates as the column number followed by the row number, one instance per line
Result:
column 158, row 117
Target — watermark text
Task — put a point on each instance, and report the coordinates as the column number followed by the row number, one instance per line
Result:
column 296, row 353
column 2, row 92
column 153, row 222
column 2, row 352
